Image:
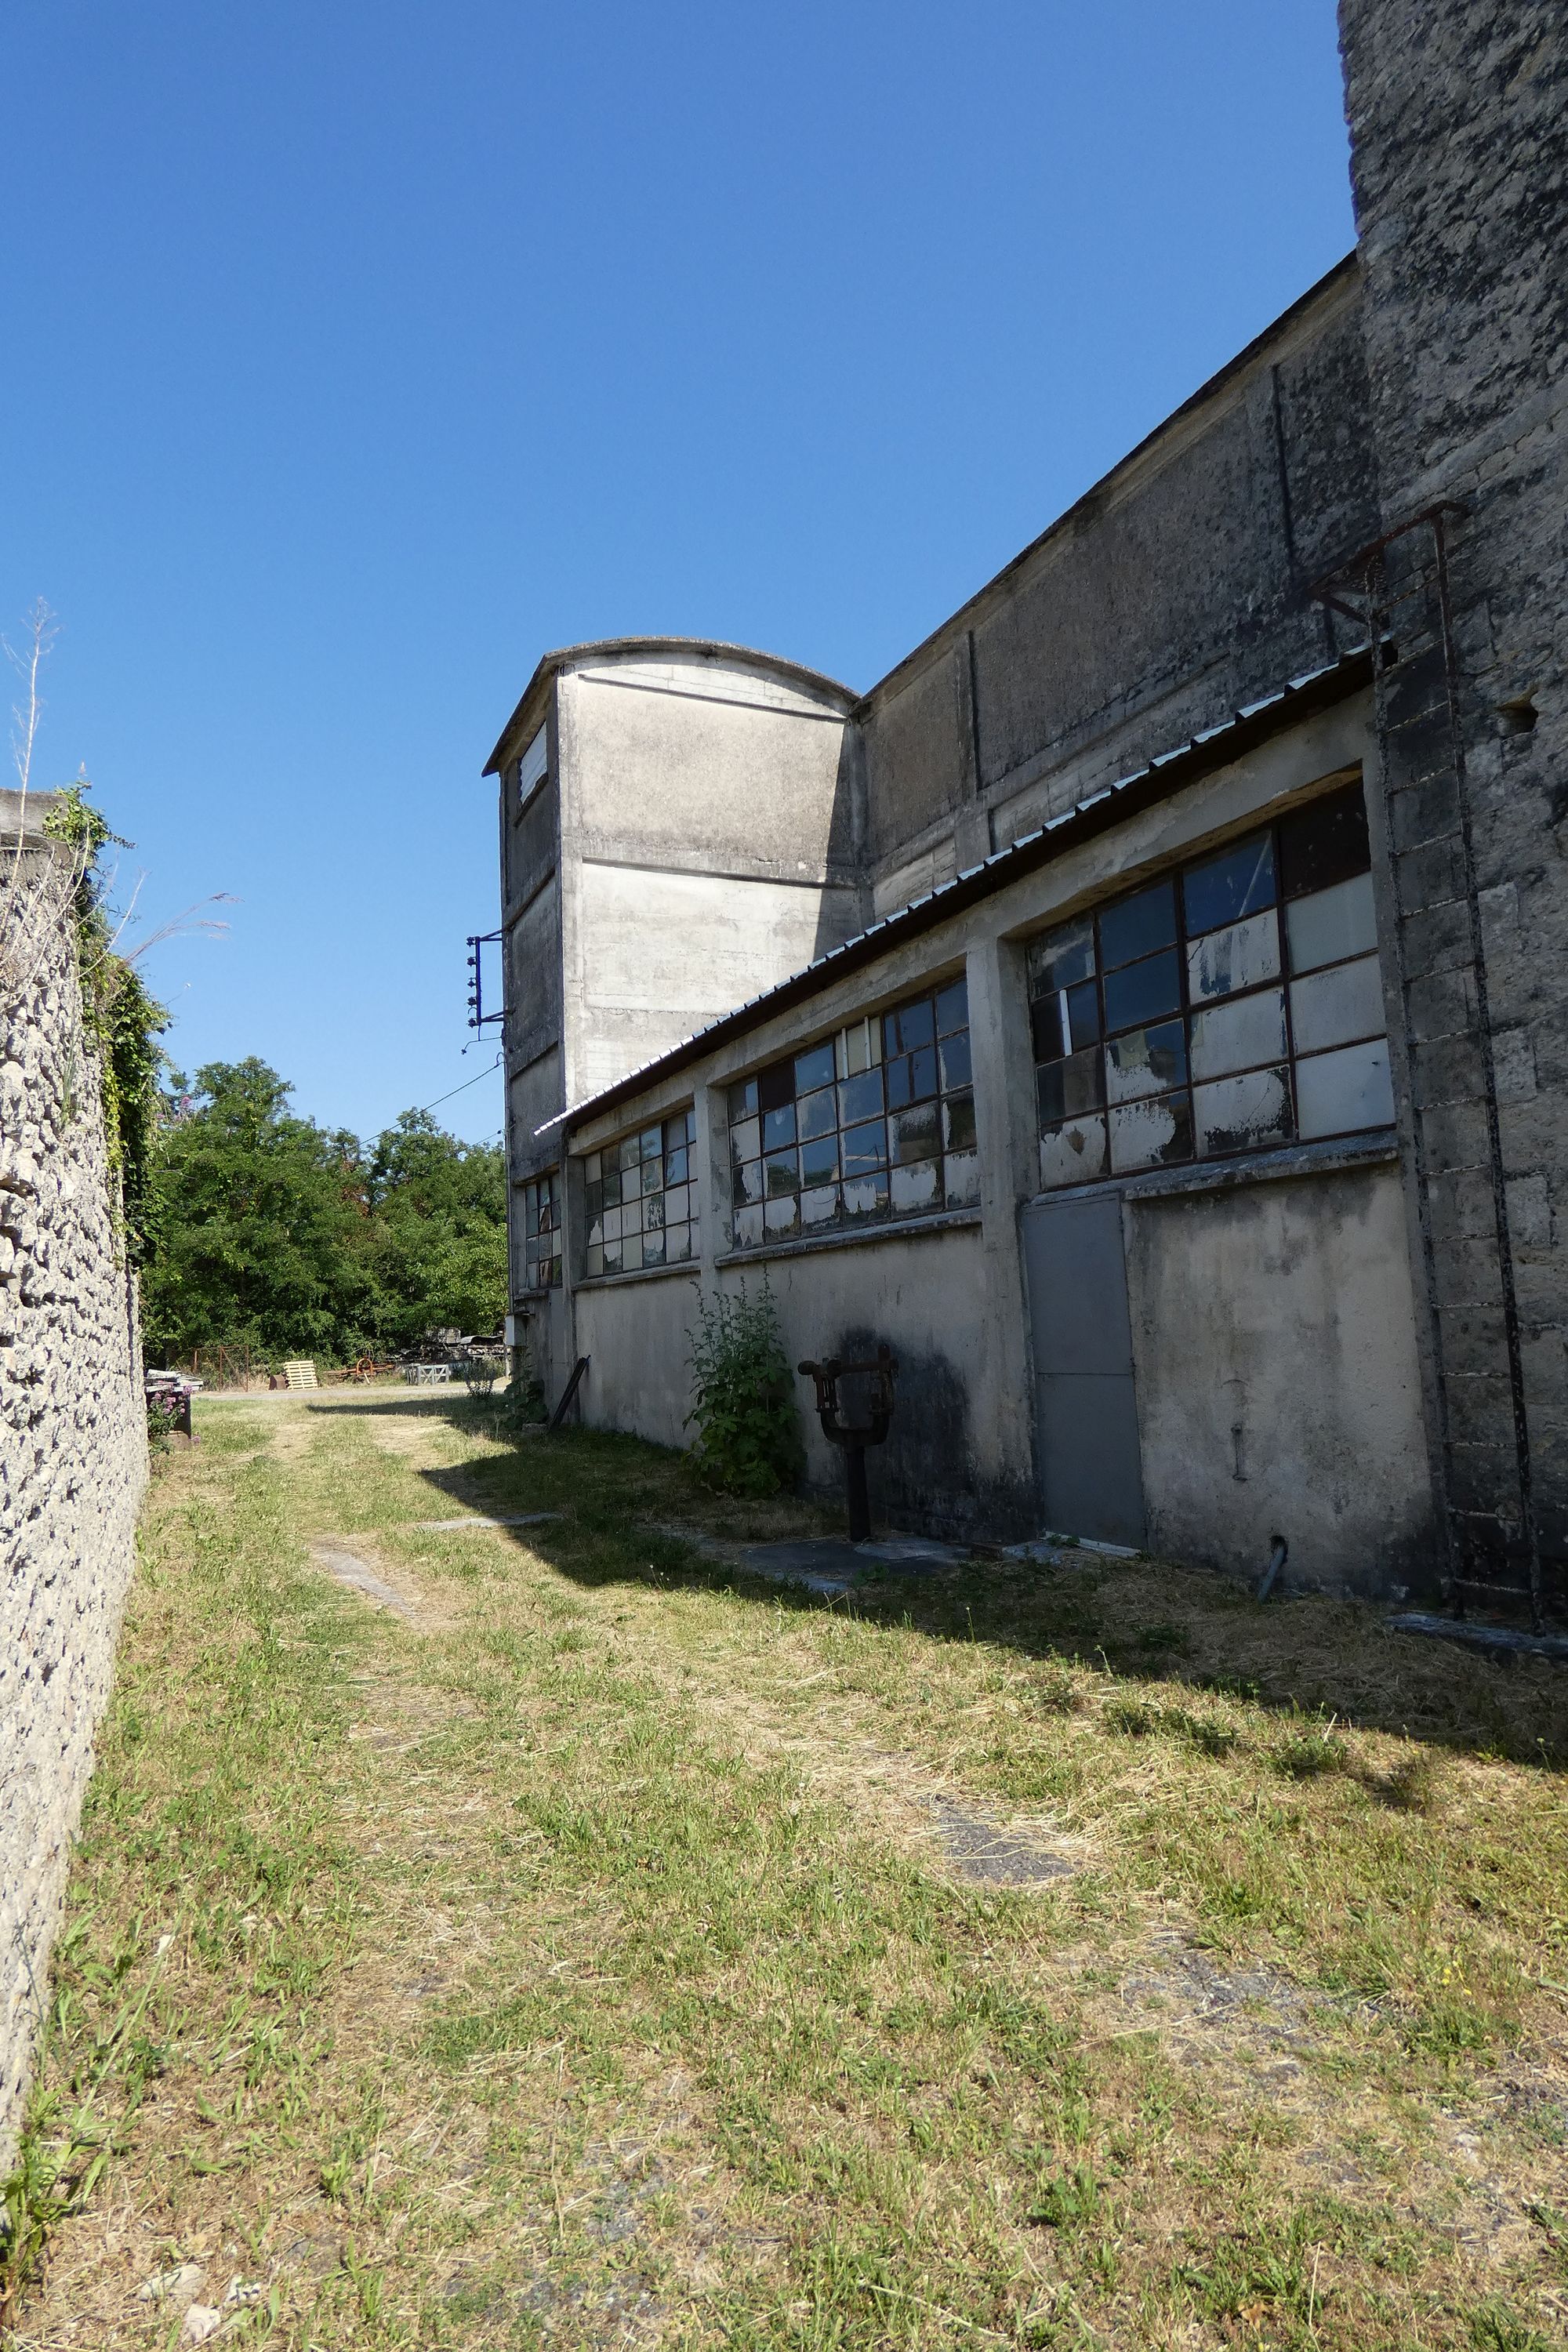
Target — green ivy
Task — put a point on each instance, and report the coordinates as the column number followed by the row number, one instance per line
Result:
column 120, row 1015
column 748, row 1440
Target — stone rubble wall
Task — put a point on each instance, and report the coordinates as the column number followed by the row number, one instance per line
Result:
column 73, row 1445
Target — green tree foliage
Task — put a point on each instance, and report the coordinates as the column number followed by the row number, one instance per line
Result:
column 748, row 1427
column 272, row 1231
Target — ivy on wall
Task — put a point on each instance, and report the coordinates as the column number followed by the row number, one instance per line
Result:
column 120, row 1015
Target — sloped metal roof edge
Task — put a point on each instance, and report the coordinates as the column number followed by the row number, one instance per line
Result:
column 551, row 664
column 1166, row 774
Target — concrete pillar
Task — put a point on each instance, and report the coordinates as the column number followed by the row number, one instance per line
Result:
column 1004, row 1125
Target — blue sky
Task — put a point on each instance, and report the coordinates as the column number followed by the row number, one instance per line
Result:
column 356, row 354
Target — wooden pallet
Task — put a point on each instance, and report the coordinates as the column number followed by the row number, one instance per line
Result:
column 302, row 1374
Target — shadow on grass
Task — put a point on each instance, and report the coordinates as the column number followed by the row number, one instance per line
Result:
column 624, row 1504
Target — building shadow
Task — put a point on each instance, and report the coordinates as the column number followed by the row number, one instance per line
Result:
column 631, row 1514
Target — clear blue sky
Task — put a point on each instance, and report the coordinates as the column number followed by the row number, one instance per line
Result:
column 357, row 354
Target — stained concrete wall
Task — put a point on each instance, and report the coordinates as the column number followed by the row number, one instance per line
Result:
column 73, row 1431
column 639, row 1375
column 1459, row 114
column 1174, row 593
column 1277, row 1388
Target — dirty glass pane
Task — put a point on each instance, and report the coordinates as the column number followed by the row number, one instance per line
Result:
column 813, row 1068
column 530, row 1209
column 860, row 1098
column 1239, row 1034
column 677, row 1165
column 819, row 1159
column 1325, row 842
column 1065, row 1088
column 612, row 1257
column 653, row 1212
column 864, row 1147
column 631, row 1252
column 595, row 1236
column 916, row 1187
column 1238, row 882
column 680, row 1204
column 631, row 1216
column 749, row 1226
column 653, row 1247
column 1332, row 924
column 1143, row 992
column 781, row 1174
column 1145, row 1061
column 908, row 1027
column 1134, row 926
column 955, row 1065
column 1245, row 1114
column 748, row 1183
column 595, row 1262
column 651, row 1143
column 962, row 1173
column 676, row 1243
column 958, row 1123
column 911, row 1077
column 862, row 1046
column 1061, row 956
column 817, row 1113
column 630, row 1154
column 1083, row 1016
column 1151, row 1134
column 866, row 1196
column 775, row 1087
column 1239, row 957
column 653, row 1173
column 612, row 1224
column 1046, row 1028
column 952, row 1008
column 593, row 1198
column 745, row 1139
column 591, row 1167
column 1338, row 1094
column 1334, row 1006
column 780, row 1216
column 778, row 1128
column 913, row 1134
column 1073, row 1153
column 819, row 1206
column 743, row 1099
column 612, row 1187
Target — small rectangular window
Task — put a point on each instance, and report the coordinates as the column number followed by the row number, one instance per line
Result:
column 875, row 1121
column 541, row 1234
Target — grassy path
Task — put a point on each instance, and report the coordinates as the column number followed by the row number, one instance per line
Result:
column 587, row 1950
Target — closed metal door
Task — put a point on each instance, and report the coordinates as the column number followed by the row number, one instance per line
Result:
column 1085, row 1409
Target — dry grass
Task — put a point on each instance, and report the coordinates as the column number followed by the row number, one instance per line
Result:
column 585, row 1960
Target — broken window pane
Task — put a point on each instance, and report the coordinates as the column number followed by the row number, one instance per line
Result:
column 1073, row 1153
column 1066, row 1088
column 775, row 1087
column 1046, row 1028
column 778, row 1128
column 1334, row 1006
column 819, row 1159
column 653, row 1247
column 1336, row 1094
column 1325, row 842
column 1143, row 992
column 1152, row 1133
column 1245, row 1114
column 1134, row 926
column 1145, row 1061
column 749, row 1226
column 748, row 1183
column 820, row 1205
column 958, row 1123
column 1332, row 924
column 1062, row 956
column 1238, row 1034
column 866, row 1196
column 1222, row 890
column 1239, row 957
column 781, row 1216
column 781, row 1174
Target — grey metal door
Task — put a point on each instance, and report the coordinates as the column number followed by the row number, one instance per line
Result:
column 1086, row 1413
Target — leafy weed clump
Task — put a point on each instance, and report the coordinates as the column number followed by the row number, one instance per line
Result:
column 748, row 1425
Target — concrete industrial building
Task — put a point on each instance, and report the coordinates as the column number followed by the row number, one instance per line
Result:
column 1144, row 1008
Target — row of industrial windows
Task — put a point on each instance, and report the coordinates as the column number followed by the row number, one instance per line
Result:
column 1231, row 1007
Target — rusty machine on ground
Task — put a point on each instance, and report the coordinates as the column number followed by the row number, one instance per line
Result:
column 875, row 1381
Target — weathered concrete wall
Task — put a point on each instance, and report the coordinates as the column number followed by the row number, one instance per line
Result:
column 634, row 1335
column 1459, row 112
column 72, row 1436
column 1277, row 1388
column 1171, row 593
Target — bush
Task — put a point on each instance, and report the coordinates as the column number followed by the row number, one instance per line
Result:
column 748, row 1440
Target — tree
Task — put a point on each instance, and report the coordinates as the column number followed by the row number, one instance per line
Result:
column 438, row 1209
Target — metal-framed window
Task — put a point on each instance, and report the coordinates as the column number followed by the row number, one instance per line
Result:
column 541, row 1234
column 1231, row 1007
column 641, row 1198
column 874, row 1122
